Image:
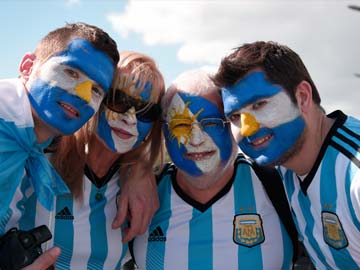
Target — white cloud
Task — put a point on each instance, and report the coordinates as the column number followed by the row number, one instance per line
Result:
column 323, row 33
column 72, row 2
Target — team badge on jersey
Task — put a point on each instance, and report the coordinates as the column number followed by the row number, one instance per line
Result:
column 333, row 232
column 248, row 230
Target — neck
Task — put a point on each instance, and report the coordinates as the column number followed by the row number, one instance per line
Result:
column 315, row 133
column 203, row 188
column 42, row 131
column 99, row 157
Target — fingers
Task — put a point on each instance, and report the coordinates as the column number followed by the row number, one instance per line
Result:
column 122, row 210
column 47, row 259
column 136, row 218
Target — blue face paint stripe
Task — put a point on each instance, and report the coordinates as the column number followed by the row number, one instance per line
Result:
column 104, row 131
column 64, row 225
column 144, row 130
column 243, row 197
column 95, row 64
column 154, row 249
column 99, row 245
column 200, row 248
column 243, row 92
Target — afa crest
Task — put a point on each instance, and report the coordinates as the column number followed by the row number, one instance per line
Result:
column 333, row 232
column 248, row 230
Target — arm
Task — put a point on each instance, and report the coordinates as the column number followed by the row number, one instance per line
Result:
column 137, row 201
column 45, row 261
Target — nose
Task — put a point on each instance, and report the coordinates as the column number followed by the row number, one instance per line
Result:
column 83, row 90
column 249, row 125
column 197, row 136
column 130, row 116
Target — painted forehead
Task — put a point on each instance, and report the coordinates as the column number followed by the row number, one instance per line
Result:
column 195, row 105
column 253, row 87
column 134, row 86
column 96, row 65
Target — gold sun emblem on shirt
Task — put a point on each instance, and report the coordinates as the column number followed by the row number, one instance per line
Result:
column 181, row 122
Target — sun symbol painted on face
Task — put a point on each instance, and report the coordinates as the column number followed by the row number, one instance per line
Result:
column 180, row 125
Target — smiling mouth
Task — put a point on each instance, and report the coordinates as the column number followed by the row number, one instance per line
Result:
column 261, row 141
column 200, row 155
column 121, row 133
column 70, row 111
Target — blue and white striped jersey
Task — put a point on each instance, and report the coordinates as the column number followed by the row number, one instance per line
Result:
column 21, row 156
column 326, row 203
column 237, row 229
column 82, row 230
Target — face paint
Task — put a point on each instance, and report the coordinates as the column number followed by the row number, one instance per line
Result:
column 68, row 88
column 197, row 139
column 123, row 131
column 265, row 122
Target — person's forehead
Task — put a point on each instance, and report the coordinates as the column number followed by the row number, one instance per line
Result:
column 251, row 88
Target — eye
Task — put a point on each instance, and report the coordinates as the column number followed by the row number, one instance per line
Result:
column 97, row 91
column 235, row 117
column 259, row 104
column 72, row 73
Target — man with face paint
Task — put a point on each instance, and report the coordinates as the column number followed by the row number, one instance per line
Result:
column 214, row 212
column 61, row 85
column 276, row 118
column 95, row 161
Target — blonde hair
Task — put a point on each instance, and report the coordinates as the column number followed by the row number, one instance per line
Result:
column 69, row 157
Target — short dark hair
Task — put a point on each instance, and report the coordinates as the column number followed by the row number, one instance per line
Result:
column 280, row 64
column 58, row 39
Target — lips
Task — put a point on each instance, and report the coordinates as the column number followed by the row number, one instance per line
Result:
column 199, row 155
column 261, row 141
column 121, row 133
column 70, row 111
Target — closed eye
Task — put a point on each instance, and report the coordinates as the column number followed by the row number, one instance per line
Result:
column 234, row 118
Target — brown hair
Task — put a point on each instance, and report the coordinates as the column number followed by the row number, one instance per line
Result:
column 280, row 64
column 70, row 156
column 56, row 41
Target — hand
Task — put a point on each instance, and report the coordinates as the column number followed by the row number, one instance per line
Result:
column 138, row 200
column 45, row 260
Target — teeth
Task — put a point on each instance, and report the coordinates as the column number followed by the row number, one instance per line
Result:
column 69, row 108
column 261, row 140
column 198, row 156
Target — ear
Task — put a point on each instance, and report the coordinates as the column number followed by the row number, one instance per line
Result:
column 26, row 65
column 303, row 94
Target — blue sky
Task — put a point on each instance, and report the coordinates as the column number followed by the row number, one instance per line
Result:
column 186, row 34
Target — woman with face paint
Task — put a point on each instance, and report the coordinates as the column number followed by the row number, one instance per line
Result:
column 61, row 85
column 96, row 160
column 277, row 119
column 214, row 212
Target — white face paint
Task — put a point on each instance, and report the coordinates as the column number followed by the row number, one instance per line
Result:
column 124, row 129
column 56, row 74
column 200, row 148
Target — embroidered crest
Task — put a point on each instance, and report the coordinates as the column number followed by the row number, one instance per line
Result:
column 248, row 230
column 333, row 232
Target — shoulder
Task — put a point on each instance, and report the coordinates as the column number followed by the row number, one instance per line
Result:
column 14, row 103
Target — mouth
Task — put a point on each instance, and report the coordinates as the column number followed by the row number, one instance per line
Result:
column 121, row 133
column 199, row 155
column 70, row 111
column 261, row 141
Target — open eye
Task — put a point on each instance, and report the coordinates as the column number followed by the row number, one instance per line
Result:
column 97, row 91
column 234, row 118
column 72, row 73
column 259, row 104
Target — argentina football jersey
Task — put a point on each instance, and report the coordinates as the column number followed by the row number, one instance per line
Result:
column 86, row 223
column 237, row 229
column 326, row 202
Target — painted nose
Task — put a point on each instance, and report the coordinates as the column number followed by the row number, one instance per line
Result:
column 130, row 116
column 83, row 90
column 249, row 125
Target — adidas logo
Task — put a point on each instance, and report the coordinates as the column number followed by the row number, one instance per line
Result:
column 64, row 214
column 157, row 235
